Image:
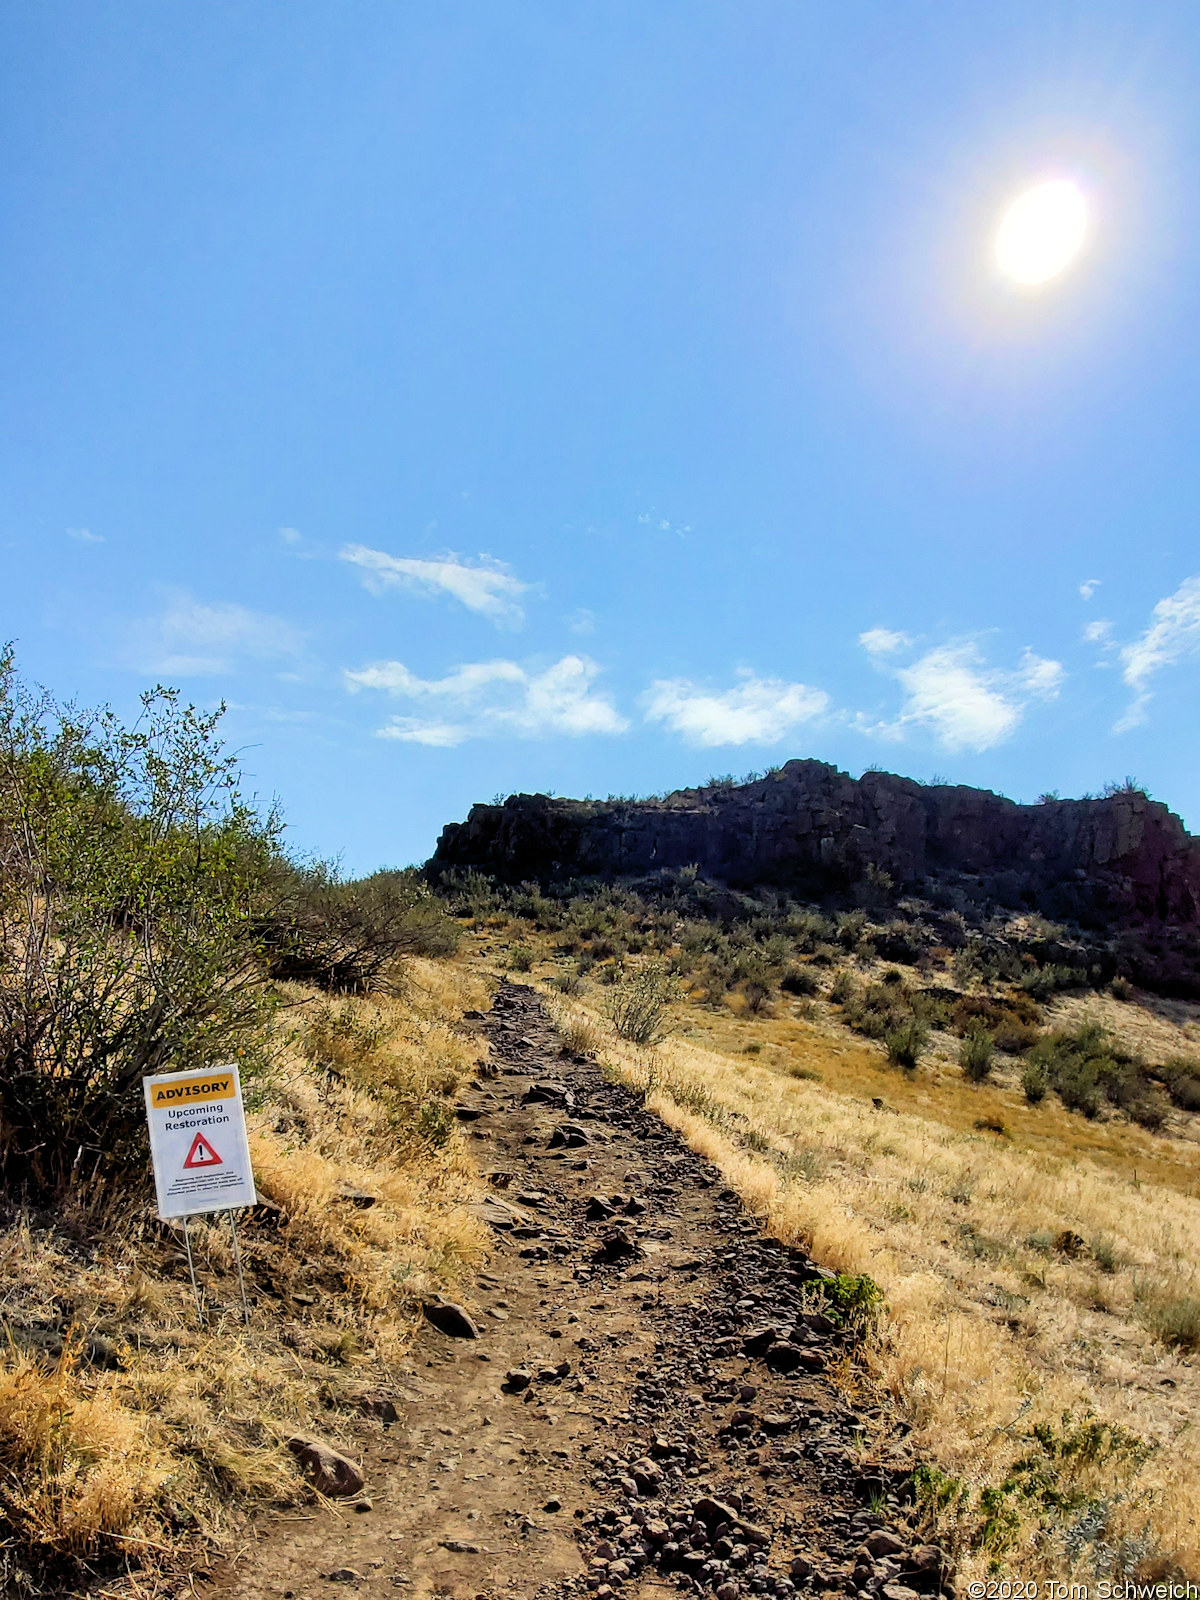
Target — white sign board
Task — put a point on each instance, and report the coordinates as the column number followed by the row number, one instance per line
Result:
column 198, row 1142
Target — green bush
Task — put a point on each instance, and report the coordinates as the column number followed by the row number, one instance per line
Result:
column 905, row 1043
column 133, row 879
column 976, row 1054
column 1034, row 1082
column 1181, row 1074
column 520, row 958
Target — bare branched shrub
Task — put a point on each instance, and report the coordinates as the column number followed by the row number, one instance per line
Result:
column 350, row 936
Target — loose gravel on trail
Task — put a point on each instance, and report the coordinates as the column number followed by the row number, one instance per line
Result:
column 638, row 1398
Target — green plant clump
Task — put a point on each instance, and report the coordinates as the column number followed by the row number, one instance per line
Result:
column 637, row 1007
column 133, row 881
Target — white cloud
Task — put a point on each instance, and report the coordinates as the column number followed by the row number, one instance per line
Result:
column 1173, row 636
column 487, row 699
column 967, row 705
column 192, row 639
column 1098, row 632
column 882, row 641
column 757, row 711
column 486, row 587
column 1088, row 587
column 85, row 536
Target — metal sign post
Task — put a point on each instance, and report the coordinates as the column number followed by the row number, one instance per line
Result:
column 200, row 1154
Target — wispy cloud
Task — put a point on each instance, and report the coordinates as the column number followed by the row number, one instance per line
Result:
column 489, row 699
column 487, row 587
column 882, row 641
column 966, row 704
column 191, row 638
column 1088, row 588
column 85, row 536
column 1173, row 636
column 756, row 711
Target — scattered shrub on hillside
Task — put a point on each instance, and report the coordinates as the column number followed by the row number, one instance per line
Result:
column 842, row 989
column 638, row 1007
column 1122, row 989
column 976, row 1054
column 1088, row 1066
column 1012, row 1021
column 1181, row 1074
column 800, row 981
column 349, row 936
column 1035, row 1082
column 520, row 958
column 906, row 1043
column 132, row 876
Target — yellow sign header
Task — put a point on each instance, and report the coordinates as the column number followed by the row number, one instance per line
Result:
column 186, row 1091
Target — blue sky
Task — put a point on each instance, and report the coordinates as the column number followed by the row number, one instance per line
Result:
column 492, row 397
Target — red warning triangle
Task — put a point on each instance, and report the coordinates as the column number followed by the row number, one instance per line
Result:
column 202, row 1154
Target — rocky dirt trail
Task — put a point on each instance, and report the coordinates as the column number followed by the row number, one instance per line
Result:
column 634, row 1403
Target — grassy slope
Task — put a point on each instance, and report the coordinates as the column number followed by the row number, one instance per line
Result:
column 130, row 1436
column 1050, row 1268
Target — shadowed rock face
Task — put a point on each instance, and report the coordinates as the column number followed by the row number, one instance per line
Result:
column 1121, row 861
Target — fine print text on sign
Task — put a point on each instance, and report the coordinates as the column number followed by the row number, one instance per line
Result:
column 198, row 1142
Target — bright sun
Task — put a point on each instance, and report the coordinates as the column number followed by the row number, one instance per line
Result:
column 1042, row 232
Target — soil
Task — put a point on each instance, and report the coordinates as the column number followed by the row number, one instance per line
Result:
column 655, row 1402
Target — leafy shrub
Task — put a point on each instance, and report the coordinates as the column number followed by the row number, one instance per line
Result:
column 520, row 958
column 1122, row 989
column 637, row 1007
column 1035, row 1082
column 905, row 1043
column 842, row 989
column 1181, row 1074
column 976, row 1054
column 132, row 876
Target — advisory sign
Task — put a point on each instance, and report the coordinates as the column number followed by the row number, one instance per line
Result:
column 198, row 1142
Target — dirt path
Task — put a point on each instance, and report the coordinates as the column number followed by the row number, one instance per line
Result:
column 645, row 1408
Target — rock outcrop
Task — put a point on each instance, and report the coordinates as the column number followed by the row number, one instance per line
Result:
column 1117, row 862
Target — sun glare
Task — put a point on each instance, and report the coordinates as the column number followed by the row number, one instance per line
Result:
column 1042, row 232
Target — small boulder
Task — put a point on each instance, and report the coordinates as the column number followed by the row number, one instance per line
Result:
column 449, row 1319
column 883, row 1543
column 328, row 1470
column 619, row 1245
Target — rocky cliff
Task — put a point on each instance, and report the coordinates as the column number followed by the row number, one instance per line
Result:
column 1120, row 861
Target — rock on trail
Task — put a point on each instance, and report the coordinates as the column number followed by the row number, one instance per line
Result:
column 634, row 1400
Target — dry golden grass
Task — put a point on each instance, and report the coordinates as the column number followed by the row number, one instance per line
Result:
column 155, row 1459
column 990, row 1328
